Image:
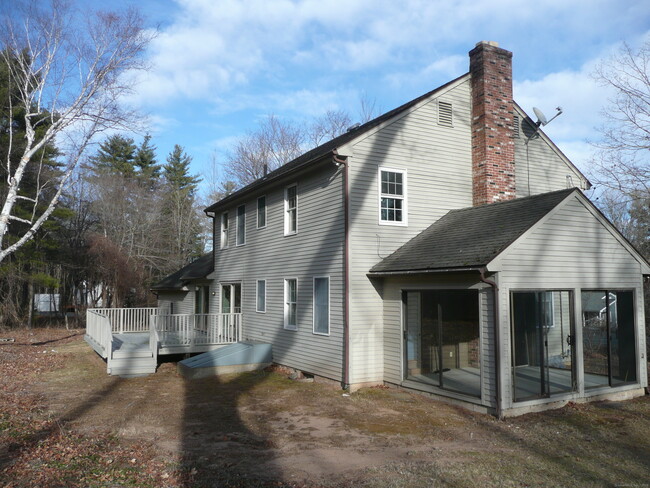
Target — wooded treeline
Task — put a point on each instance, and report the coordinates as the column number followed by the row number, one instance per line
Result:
column 126, row 221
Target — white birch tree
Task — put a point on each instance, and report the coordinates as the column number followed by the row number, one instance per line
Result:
column 68, row 71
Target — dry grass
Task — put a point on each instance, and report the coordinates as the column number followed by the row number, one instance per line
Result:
column 64, row 422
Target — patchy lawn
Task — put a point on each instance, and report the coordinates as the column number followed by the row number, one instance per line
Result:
column 64, row 422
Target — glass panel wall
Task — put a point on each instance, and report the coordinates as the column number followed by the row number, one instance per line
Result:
column 443, row 346
column 608, row 338
column 542, row 343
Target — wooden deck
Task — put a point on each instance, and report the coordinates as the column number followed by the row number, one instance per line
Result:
column 132, row 339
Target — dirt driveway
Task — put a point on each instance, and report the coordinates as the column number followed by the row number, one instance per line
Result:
column 64, row 422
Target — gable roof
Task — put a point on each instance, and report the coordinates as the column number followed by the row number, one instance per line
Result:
column 469, row 238
column 196, row 270
column 328, row 148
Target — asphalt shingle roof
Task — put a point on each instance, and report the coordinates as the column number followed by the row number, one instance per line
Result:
column 196, row 270
column 470, row 238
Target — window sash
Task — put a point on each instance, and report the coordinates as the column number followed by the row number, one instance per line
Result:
column 261, row 212
column 321, row 305
column 261, row 296
column 241, row 225
column 291, row 304
column 291, row 210
column 224, row 230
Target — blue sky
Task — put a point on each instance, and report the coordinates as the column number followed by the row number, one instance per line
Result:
column 218, row 66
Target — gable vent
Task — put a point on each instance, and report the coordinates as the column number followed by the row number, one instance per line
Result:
column 515, row 127
column 445, row 114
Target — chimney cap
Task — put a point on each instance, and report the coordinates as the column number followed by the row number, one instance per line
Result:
column 488, row 43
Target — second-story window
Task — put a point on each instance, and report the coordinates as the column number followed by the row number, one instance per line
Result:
column 392, row 196
column 261, row 212
column 290, row 210
column 224, row 230
column 241, row 225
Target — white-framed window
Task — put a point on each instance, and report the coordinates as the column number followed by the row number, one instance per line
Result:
column 322, row 305
column 260, row 294
column 224, row 230
column 291, row 210
column 392, row 197
column 241, row 225
column 261, row 212
column 291, row 303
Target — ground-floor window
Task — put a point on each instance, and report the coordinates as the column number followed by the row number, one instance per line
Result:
column 542, row 343
column 608, row 338
column 443, row 339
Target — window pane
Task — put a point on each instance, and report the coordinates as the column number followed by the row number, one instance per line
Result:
column 595, row 338
column 261, row 296
column 623, row 343
column 241, row 225
column 321, row 305
column 224, row 230
column 261, row 212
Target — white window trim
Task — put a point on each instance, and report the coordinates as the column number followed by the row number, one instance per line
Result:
column 404, row 222
column 224, row 242
column 286, row 208
column 287, row 326
column 258, row 212
column 257, row 290
column 314, row 305
column 237, row 217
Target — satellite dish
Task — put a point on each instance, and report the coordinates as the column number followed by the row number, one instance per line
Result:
column 541, row 118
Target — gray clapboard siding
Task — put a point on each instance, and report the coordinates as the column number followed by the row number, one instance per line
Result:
column 438, row 164
column 183, row 300
column 316, row 250
column 538, row 166
column 571, row 250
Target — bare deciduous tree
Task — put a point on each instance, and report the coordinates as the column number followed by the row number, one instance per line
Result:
column 273, row 144
column 68, row 71
column 622, row 161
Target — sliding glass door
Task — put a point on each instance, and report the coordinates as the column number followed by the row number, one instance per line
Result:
column 608, row 338
column 442, row 339
column 542, row 346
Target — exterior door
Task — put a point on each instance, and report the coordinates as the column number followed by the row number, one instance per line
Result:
column 543, row 345
column 231, row 298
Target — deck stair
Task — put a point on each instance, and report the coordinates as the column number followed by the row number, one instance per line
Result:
column 233, row 358
column 132, row 356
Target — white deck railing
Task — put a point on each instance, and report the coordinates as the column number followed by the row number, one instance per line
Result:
column 98, row 328
column 125, row 320
column 196, row 329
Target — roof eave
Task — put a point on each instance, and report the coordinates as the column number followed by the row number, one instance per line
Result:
column 408, row 272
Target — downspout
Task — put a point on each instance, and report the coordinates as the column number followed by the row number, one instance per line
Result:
column 346, row 267
column 497, row 340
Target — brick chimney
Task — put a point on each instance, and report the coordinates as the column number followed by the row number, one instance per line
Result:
column 493, row 150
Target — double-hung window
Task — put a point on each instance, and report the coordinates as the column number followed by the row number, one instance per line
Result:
column 224, row 230
column 241, row 225
column 291, row 304
column 392, row 197
column 290, row 210
column 261, row 212
column 322, row 305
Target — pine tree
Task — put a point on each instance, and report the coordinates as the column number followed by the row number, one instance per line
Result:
column 145, row 162
column 116, row 155
column 176, row 172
